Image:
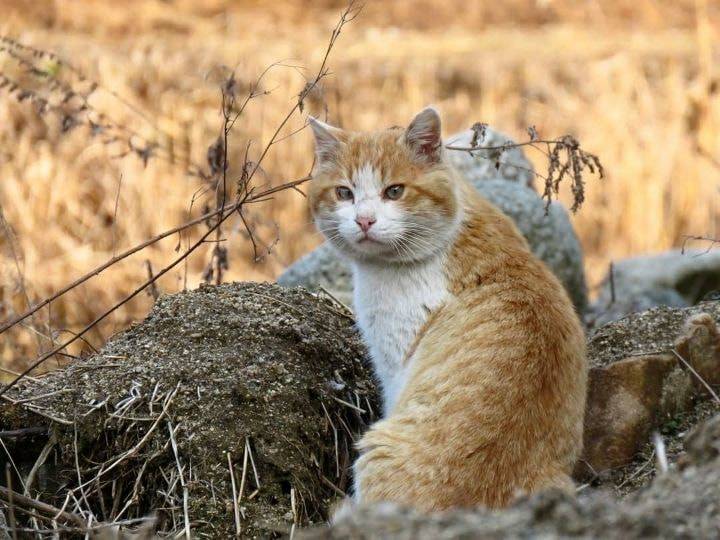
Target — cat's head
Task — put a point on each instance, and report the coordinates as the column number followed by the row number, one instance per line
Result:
column 386, row 196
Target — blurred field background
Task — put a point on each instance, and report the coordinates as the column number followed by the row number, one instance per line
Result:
column 635, row 80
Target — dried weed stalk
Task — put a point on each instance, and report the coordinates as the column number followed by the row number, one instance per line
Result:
column 566, row 159
column 127, row 455
column 710, row 243
column 55, row 86
column 217, row 176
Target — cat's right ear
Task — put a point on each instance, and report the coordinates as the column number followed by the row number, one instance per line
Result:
column 327, row 139
column 423, row 136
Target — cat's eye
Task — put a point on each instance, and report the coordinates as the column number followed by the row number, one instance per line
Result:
column 343, row 193
column 394, row 192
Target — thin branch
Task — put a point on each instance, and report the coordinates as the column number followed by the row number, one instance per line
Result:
column 236, row 512
column 9, row 494
column 183, row 484
column 712, row 242
column 20, row 276
column 697, row 375
column 223, row 213
column 39, row 462
column 139, row 247
column 565, row 155
column 115, row 211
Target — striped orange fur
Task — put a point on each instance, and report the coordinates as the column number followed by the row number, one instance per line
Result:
column 477, row 346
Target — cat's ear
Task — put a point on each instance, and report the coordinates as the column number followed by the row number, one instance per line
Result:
column 327, row 139
column 423, row 136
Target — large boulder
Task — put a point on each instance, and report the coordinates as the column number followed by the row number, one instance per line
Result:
column 551, row 238
column 679, row 504
column 231, row 407
column 675, row 278
column 488, row 164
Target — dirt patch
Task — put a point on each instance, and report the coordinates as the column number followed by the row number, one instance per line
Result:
column 275, row 377
column 646, row 333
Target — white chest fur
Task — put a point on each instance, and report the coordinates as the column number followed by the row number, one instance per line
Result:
column 392, row 303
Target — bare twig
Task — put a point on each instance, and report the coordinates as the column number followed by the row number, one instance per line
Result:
column 348, row 404
column 20, row 433
column 79, row 477
column 39, row 462
column 712, row 242
column 153, row 289
column 236, row 511
column 697, row 375
column 252, row 463
column 41, row 396
column 10, row 499
column 9, row 235
column 115, row 211
column 183, row 484
column 100, row 527
column 244, row 473
column 10, row 462
column 566, row 159
column 138, row 446
column 222, row 213
column 9, row 495
column 142, row 287
column 96, row 271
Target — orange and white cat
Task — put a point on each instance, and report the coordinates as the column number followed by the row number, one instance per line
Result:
column 477, row 347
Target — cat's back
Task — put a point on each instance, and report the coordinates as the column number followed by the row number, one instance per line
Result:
column 506, row 314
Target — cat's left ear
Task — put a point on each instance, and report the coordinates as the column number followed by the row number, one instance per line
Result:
column 423, row 136
column 327, row 139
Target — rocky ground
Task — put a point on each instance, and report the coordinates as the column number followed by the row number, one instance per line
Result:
column 679, row 504
column 235, row 408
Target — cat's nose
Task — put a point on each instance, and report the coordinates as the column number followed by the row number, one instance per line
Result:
column 365, row 223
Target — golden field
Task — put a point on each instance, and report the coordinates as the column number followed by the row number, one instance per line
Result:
column 637, row 81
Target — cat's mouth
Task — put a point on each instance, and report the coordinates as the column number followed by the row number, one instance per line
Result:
column 368, row 239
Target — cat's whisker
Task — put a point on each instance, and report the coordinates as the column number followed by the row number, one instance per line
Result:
column 402, row 250
column 425, row 244
column 419, row 227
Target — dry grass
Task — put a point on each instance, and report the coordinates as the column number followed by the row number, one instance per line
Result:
column 635, row 81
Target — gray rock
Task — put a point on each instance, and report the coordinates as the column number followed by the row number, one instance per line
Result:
column 551, row 238
column 321, row 268
column 481, row 165
column 672, row 278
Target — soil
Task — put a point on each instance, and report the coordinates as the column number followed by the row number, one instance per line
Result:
column 276, row 377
